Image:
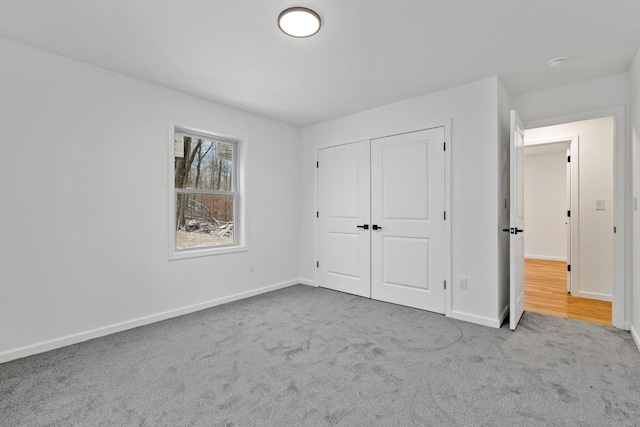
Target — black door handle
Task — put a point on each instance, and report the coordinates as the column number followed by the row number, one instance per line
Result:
column 513, row 230
column 366, row 226
column 375, row 227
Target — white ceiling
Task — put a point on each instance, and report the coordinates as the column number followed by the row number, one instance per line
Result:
column 368, row 52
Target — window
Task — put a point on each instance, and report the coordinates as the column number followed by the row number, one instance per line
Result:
column 206, row 197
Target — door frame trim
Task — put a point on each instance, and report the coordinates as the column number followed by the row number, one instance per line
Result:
column 446, row 124
column 622, row 216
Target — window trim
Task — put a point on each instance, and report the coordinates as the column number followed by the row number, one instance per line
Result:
column 239, row 174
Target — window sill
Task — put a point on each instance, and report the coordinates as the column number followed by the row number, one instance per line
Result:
column 200, row 252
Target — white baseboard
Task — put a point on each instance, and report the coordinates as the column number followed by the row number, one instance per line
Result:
column 545, row 257
column 48, row 345
column 479, row 320
column 593, row 295
column 636, row 336
column 308, row 282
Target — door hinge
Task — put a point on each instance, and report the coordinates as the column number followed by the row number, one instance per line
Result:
column 568, row 159
column 445, row 215
column 569, row 267
column 569, row 214
column 317, row 214
column 445, row 284
column 317, row 264
column 444, row 146
column 317, row 164
column 614, row 230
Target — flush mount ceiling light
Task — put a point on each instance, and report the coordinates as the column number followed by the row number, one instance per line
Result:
column 299, row 22
column 556, row 62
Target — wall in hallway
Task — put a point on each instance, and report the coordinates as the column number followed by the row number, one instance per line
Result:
column 546, row 202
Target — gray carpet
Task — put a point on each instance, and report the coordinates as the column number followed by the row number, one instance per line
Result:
column 303, row 356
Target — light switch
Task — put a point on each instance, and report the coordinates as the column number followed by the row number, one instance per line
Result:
column 599, row 204
column 463, row 282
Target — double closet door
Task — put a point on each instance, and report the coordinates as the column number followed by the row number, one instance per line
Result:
column 381, row 219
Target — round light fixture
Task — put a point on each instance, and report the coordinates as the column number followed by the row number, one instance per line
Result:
column 299, row 22
column 556, row 62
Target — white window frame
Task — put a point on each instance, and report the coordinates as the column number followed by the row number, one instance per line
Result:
column 239, row 180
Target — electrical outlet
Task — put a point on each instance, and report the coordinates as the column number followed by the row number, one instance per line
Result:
column 462, row 282
column 252, row 267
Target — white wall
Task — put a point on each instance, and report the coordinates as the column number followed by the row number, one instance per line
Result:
column 476, row 180
column 595, row 272
column 83, row 166
column 545, row 203
column 592, row 95
column 635, row 105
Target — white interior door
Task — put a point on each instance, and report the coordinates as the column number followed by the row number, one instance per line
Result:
column 408, row 233
column 516, row 295
column 568, row 182
column 343, row 218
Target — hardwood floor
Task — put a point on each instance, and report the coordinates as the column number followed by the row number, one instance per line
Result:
column 545, row 291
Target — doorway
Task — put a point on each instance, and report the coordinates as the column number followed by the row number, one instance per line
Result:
column 569, row 200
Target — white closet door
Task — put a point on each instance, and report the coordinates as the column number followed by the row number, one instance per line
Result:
column 343, row 218
column 408, row 225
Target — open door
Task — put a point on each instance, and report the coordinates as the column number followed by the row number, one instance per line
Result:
column 568, row 223
column 516, row 221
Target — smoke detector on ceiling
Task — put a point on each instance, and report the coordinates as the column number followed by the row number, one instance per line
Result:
column 556, row 62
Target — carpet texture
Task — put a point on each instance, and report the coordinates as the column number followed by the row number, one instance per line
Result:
column 305, row 356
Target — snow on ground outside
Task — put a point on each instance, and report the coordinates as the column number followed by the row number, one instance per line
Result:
column 185, row 239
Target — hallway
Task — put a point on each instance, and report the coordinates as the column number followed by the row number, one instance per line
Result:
column 546, row 292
